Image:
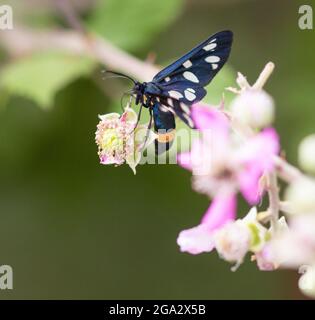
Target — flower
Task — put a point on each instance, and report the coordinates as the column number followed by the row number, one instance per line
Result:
column 265, row 259
column 232, row 241
column 119, row 140
column 307, row 280
column 295, row 246
column 300, row 194
column 254, row 108
column 222, row 163
column 306, row 153
column 236, row 238
column 201, row 238
column 264, row 254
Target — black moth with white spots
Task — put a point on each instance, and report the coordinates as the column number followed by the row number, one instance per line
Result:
column 174, row 89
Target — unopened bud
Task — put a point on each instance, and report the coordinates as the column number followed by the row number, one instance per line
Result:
column 307, row 153
column 301, row 195
column 254, row 108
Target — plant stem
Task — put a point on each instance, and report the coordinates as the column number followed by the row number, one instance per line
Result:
column 287, row 171
column 274, row 201
column 22, row 41
column 264, row 76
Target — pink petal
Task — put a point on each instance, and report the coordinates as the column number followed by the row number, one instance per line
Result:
column 198, row 157
column 248, row 180
column 184, row 160
column 265, row 259
column 221, row 210
column 200, row 238
column 256, row 158
column 195, row 240
column 260, row 149
column 206, row 117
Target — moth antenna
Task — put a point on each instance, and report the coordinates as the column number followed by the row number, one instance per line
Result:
column 119, row 75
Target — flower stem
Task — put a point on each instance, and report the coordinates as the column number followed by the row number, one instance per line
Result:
column 264, row 76
column 274, row 201
column 287, row 171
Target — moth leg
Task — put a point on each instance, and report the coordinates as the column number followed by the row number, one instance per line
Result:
column 148, row 128
column 138, row 119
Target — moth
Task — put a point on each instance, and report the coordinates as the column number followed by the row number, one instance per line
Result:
column 175, row 88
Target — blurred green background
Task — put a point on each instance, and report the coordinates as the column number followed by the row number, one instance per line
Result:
column 72, row 228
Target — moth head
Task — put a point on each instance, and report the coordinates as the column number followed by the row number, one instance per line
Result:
column 139, row 88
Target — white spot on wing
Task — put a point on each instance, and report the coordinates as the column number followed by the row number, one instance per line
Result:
column 164, row 108
column 190, row 76
column 209, row 46
column 158, row 99
column 187, row 64
column 175, row 94
column 188, row 119
column 167, row 79
column 170, row 102
column 185, row 108
column 214, row 66
column 190, row 94
column 212, row 59
column 213, row 40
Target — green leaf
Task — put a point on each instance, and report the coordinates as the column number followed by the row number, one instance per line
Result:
column 216, row 89
column 40, row 76
column 131, row 24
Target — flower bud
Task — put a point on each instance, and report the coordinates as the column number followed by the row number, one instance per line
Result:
column 254, row 108
column 232, row 241
column 265, row 259
column 301, row 195
column 307, row 280
column 306, row 153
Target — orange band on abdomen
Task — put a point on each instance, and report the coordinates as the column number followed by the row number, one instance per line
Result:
column 166, row 137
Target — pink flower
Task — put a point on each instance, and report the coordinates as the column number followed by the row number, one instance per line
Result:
column 201, row 238
column 265, row 259
column 295, row 246
column 232, row 241
column 119, row 140
column 221, row 162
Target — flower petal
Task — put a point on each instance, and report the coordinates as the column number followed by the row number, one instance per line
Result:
column 259, row 150
column 265, row 259
column 129, row 116
column 143, row 135
column 195, row 240
column 184, row 160
column 256, row 158
column 109, row 116
column 200, row 238
column 221, row 210
column 248, row 180
column 133, row 159
column 206, row 117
